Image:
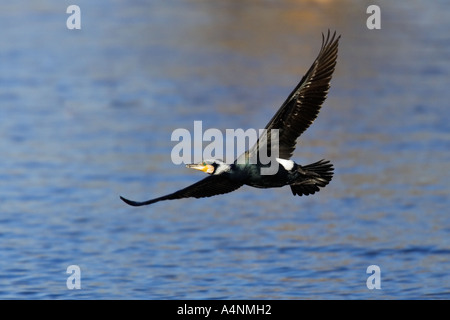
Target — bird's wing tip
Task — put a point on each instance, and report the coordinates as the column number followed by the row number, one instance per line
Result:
column 130, row 202
column 330, row 37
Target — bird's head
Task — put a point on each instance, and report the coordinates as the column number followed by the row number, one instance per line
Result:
column 211, row 166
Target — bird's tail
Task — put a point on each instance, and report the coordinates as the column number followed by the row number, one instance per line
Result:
column 314, row 175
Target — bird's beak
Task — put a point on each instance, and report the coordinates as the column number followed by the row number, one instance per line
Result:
column 205, row 168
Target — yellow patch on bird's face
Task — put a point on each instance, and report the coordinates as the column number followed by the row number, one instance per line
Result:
column 208, row 168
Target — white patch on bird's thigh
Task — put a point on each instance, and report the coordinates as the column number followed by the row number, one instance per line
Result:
column 287, row 164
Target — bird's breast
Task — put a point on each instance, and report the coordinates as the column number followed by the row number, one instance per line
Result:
column 253, row 175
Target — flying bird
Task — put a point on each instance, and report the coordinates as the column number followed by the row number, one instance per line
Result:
column 295, row 115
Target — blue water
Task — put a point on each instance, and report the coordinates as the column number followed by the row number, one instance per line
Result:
column 87, row 115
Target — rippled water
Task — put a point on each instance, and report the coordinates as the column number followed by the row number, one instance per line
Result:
column 87, row 116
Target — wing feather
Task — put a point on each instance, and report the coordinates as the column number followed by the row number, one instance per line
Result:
column 302, row 106
column 208, row 187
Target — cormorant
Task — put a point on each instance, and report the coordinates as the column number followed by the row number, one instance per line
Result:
column 295, row 115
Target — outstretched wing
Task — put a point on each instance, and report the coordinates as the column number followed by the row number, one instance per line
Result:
column 302, row 106
column 208, row 187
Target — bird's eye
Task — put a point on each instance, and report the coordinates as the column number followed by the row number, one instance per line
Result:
column 204, row 163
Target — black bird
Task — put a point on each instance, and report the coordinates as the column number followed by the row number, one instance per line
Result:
column 295, row 115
